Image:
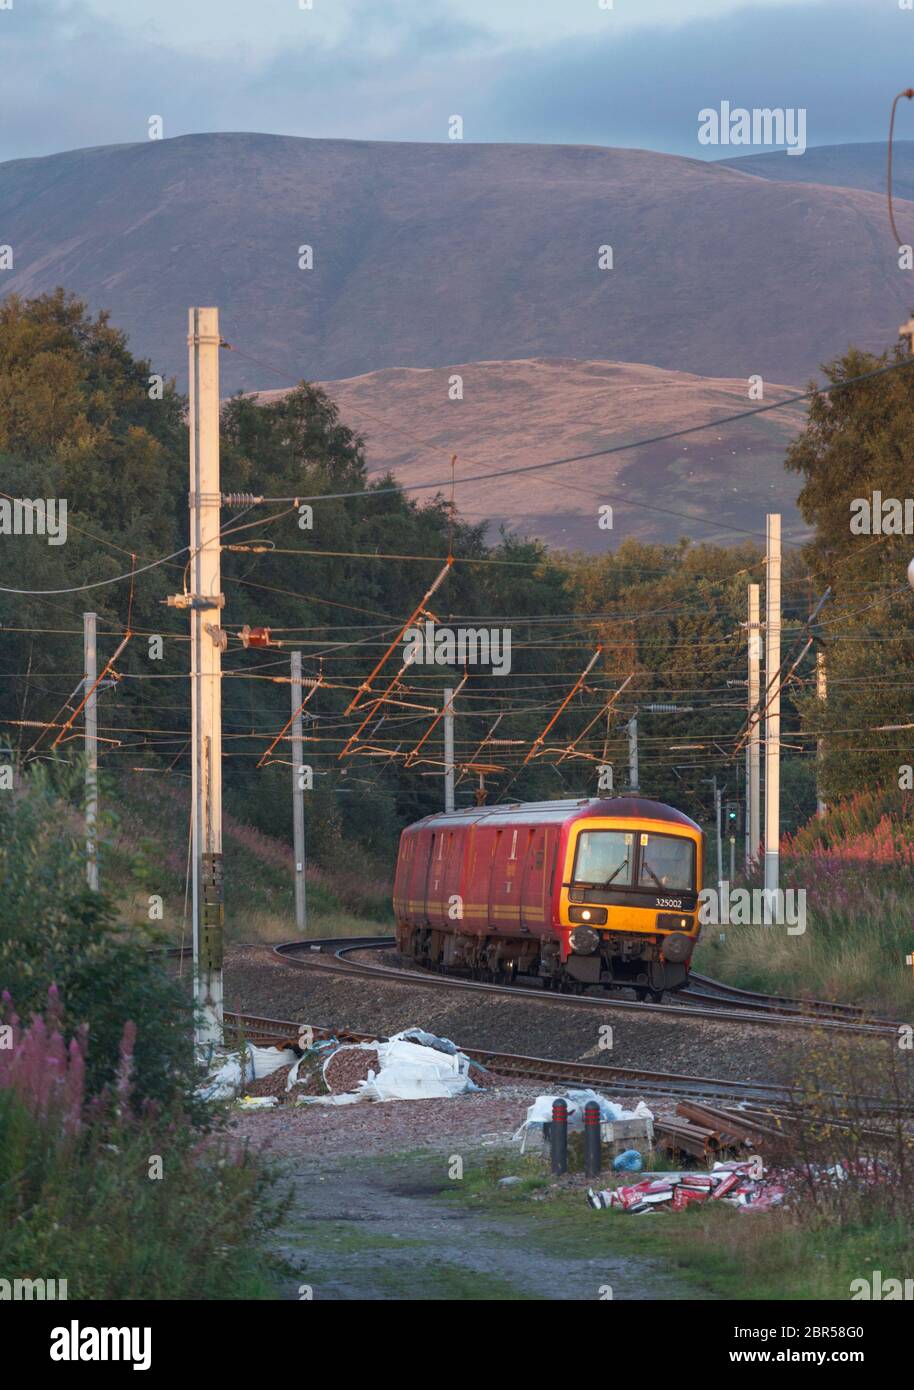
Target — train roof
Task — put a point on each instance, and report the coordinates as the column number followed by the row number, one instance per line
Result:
column 639, row 808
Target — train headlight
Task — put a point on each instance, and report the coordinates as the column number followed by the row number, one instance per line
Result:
column 584, row 941
column 674, row 921
column 593, row 916
column 677, row 947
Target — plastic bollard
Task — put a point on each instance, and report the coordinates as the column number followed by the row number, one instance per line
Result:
column 593, row 1147
column 558, row 1137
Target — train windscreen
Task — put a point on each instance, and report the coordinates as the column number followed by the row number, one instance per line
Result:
column 666, row 862
column 604, row 857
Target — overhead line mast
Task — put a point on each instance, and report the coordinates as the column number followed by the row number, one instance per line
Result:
column 206, row 601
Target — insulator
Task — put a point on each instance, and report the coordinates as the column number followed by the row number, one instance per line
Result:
column 240, row 499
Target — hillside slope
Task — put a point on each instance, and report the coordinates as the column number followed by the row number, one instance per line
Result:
column 860, row 166
column 711, row 485
column 429, row 254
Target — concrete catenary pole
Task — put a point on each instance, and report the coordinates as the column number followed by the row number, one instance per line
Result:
column 772, row 702
column 206, row 602
column 90, row 665
column 298, row 797
column 720, row 846
column 753, row 748
column 448, row 750
column 822, row 696
column 633, row 753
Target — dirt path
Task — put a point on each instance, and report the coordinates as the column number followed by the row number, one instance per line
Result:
column 392, row 1227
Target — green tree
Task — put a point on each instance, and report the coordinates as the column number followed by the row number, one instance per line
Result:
column 857, row 442
column 55, row 931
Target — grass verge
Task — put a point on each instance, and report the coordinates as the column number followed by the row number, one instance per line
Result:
column 716, row 1251
column 144, row 862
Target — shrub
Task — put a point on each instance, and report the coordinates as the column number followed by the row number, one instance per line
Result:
column 55, row 931
column 874, row 825
column 118, row 1200
column 848, row 1141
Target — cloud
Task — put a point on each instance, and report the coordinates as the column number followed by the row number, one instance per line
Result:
column 843, row 63
column 398, row 70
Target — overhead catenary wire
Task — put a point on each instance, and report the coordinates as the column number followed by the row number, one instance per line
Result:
column 590, row 620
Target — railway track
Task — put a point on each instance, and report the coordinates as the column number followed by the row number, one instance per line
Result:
column 713, row 1002
column 613, row 1080
column 750, row 998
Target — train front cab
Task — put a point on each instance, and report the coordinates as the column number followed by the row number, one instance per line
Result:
column 628, row 902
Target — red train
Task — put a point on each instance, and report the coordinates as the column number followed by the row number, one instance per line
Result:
column 572, row 892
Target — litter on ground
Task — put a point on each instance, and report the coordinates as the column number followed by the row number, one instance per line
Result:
column 411, row 1065
column 237, row 1069
column 738, row 1184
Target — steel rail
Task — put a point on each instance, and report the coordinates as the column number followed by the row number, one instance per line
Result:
column 334, row 953
column 557, row 1071
column 746, row 996
column 782, row 1007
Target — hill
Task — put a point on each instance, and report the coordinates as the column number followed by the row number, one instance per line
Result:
column 710, row 485
column 430, row 254
column 860, row 166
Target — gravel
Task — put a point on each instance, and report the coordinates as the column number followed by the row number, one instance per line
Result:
column 476, row 1119
column 348, row 1066
column 482, row 1118
column 272, row 1085
column 258, row 982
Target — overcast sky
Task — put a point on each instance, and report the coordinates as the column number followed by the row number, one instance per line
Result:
column 92, row 72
